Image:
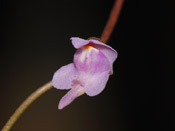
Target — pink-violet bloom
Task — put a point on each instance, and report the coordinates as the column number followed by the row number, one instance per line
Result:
column 89, row 73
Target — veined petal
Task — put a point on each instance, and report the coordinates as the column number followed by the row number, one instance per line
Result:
column 63, row 77
column 91, row 60
column 108, row 51
column 110, row 54
column 71, row 96
column 96, row 83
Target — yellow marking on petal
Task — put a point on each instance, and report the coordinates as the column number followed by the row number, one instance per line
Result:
column 88, row 46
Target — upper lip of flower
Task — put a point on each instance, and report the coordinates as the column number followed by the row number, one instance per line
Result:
column 108, row 51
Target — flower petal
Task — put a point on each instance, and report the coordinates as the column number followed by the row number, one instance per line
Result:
column 78, row 42
column 71, row 96
column 63, row 77
column 108, row 51
column 96, row 83
column 91, row 60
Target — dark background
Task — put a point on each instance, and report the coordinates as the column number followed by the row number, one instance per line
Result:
column 35, row 43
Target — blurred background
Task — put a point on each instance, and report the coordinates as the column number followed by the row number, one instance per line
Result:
column 36, row 42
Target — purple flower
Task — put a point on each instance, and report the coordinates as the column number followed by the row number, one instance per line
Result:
column 88, row 73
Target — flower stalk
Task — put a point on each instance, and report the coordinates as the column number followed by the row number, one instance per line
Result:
column 112, row 21
column 29, row 100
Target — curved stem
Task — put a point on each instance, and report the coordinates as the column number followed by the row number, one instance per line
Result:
column 112, row 20
column 40, row 91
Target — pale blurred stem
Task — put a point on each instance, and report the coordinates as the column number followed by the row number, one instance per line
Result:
column 40, row 91
column 112, row 20
column 43, row 89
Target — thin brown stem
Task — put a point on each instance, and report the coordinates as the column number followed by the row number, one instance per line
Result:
column 112, row 20
column 40, row 91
